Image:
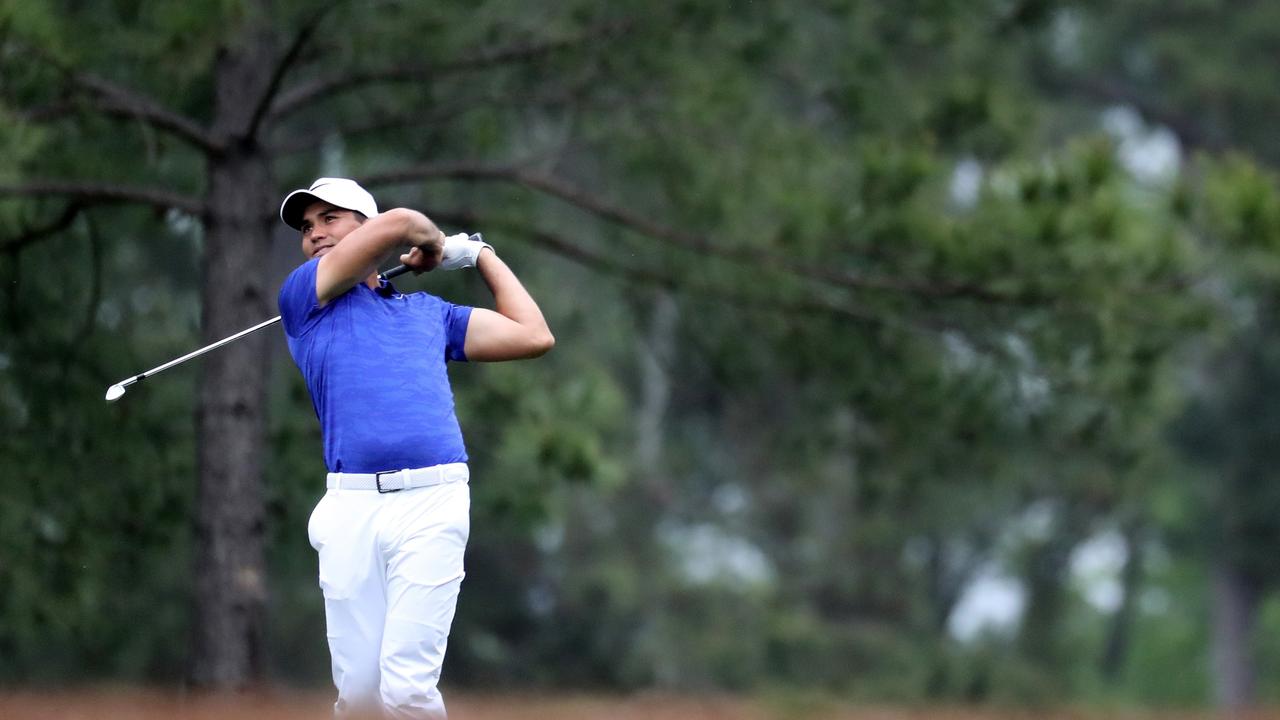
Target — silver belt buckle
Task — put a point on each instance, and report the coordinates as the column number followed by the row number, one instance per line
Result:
column 377, row 482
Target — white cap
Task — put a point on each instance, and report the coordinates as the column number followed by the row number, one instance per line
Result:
column 339, row 192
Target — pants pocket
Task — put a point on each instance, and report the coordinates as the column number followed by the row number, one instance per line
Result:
column 315, row 529
column 340, row 533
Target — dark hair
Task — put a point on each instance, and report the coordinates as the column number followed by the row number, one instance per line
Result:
column 360, row 217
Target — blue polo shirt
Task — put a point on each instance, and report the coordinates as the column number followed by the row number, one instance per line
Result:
column 374, row 362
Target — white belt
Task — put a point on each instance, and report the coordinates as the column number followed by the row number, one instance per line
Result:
column 396, row 480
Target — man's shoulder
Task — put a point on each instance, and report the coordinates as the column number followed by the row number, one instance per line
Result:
column 300, row 279
column 297, row 298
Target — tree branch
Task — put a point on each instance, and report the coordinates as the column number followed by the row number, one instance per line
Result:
column 98, row 193
column 46, row 113
column 89, row 322
column 375, row 119
column 29, row 236
column 286, row 61
column 371, row 122
column 324, row 87
column 594, row 261
column 685, row 240
column 114, row 100
column 95, row 284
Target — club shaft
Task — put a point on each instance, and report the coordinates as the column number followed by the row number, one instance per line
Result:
column 207, row 348
column 393, row 272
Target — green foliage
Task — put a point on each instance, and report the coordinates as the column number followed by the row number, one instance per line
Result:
column 1243, row 209
column 97, row 504
column 775, row 465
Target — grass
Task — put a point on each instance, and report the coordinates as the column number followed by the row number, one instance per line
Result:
column 143, row 704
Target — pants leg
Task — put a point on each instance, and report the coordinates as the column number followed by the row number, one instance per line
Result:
column 343, row 530
column 426, row 541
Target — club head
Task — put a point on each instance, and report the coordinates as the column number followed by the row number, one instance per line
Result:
column 114, row 392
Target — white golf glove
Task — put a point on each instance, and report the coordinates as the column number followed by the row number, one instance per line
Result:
column 460, row 251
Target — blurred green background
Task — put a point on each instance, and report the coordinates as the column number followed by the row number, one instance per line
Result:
column 915, row 351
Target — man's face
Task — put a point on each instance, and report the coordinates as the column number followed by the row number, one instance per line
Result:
column 324, row 226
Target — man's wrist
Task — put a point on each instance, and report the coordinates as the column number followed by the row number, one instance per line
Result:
column 462, row 252
column 431, row 242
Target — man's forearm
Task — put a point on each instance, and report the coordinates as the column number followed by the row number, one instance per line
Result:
column 394, row 229
column 359, row 254
column 509, row 296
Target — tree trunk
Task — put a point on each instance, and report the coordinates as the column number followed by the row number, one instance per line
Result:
column 1235, row 607
column 1045, row 575
column 1040, row 636
column 1120, row 632
column 656, row 355
column 230, row 582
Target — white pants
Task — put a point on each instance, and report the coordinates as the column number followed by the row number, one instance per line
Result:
column 390, row 569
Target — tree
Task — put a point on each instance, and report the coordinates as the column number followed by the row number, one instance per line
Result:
column 215, row 116
column 1169, row 63
column 868, row 372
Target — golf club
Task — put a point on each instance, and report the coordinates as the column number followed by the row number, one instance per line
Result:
column 116, row 391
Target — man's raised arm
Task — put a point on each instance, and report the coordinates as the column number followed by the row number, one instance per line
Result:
column 357, row 256
column 517, row 329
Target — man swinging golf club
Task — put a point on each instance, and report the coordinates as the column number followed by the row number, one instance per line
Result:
column 393, row 525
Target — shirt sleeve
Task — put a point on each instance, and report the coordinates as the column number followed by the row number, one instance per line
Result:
column 456, row 319
column 299, row 307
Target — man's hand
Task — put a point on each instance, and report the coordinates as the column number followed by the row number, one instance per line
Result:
column 428, row 248
column 460, row 251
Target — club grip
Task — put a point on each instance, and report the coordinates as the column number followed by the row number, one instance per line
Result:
column 396, row 271
column 399, row 270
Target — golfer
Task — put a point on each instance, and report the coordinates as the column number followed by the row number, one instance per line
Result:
column 393, row 525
